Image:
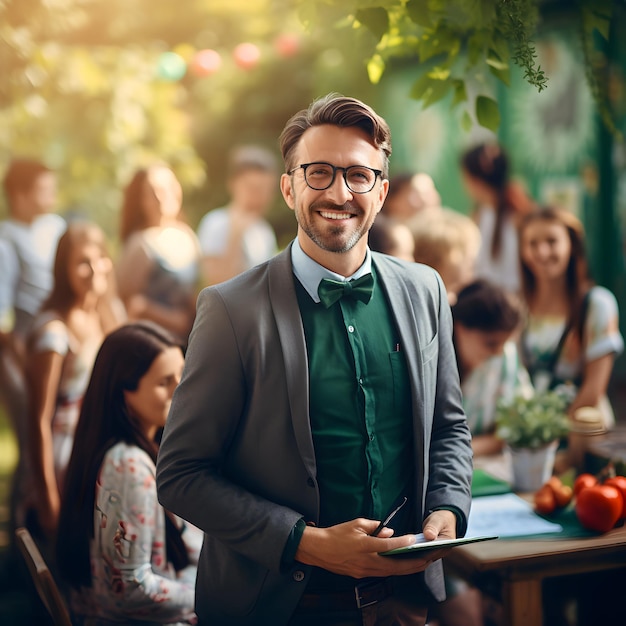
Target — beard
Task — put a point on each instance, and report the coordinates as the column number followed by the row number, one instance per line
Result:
column 334, row 238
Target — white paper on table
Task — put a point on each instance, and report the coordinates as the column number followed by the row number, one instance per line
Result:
column 506, row 515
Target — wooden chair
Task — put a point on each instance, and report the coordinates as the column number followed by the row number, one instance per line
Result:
column 42, row 577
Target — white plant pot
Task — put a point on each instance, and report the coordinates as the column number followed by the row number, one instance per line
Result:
column 531, row 467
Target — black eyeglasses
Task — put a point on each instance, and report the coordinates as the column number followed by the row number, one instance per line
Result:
column 320, row 176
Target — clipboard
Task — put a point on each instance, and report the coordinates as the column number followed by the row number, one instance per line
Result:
column 422, row 545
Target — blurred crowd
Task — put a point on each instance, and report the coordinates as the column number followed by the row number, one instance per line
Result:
column 92, row 347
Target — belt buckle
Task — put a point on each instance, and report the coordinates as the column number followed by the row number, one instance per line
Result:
column 360, row 602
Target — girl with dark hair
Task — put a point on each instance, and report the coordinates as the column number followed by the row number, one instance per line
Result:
column 500, row 204
column 122, row 554
column 572, row 333
column 65, row 337
column 486, row 318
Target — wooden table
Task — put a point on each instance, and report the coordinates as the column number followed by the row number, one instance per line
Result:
column 515, row 569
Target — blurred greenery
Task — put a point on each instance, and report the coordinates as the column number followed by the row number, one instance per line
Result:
column 95, row 89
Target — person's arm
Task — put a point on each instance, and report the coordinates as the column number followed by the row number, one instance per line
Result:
column 134, row 523
column 602, row 341
column 596, row 378
column 45, row 369
column 203, row 421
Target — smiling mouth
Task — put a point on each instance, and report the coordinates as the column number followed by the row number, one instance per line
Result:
column 336, row 216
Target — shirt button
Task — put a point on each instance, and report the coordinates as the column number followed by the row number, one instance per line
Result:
column 298, row 576
column 360, row 381
column 310, row 482
column 350, row 328
column 372, row 437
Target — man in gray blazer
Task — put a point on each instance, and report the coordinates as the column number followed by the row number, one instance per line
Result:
column 319, row 389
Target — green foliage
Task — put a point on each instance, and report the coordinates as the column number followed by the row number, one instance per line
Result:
column 451, row 43
column 532, row 422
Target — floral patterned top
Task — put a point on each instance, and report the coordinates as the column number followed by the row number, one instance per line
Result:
column 501, row 377
column 132, row 581
column 601, row 337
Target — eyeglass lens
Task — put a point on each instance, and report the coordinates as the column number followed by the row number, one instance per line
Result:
column 359, row 179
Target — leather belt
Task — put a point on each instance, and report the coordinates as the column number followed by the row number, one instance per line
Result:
column 360, row 596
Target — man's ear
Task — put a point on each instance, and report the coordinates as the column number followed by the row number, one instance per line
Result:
column 384, row 190
column 286, row 188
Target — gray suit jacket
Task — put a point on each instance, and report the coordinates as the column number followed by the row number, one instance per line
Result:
column 237, row 457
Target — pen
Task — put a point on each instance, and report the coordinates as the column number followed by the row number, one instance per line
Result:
column 389, row 517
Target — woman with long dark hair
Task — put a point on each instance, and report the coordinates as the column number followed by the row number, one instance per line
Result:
column 65, row 337
column 572, row 333
column 121, row 553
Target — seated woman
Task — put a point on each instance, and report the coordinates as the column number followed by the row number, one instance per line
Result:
column 486, row 319
column 126, row 559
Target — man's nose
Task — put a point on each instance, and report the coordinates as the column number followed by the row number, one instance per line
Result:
column 339, row 190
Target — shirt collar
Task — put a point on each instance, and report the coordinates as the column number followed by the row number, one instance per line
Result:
column 310, row 272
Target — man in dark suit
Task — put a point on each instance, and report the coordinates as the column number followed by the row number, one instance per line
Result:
column 319, row 389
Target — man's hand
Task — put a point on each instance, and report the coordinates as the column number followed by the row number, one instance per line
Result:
column 349, row 550
column 440, row 525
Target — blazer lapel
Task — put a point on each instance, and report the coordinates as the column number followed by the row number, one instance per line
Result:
column 292, row 343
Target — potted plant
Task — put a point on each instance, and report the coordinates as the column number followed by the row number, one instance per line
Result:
column 531, row 428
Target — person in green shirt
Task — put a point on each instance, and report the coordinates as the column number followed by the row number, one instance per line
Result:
column 320, row 389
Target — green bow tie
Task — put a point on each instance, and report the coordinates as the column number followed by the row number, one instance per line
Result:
column 330, row 291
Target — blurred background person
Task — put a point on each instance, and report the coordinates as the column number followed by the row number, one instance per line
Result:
column 449, row 242
column 487, row 320
column 572, row 333
column 28, row 241
column 499, row 206
column 391, row 237
column 158, row 271
column 125, row 558
column 409, row 194
column 61, row 349
column 237, row 237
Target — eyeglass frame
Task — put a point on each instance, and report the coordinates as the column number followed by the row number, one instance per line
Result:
column 303, row 166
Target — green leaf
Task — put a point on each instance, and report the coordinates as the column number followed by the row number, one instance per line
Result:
column 439, row 73
column 493, row 60
column 503, row 75
column 376, row 19
column 429, row 91
column 375, row 68
column 487, row 113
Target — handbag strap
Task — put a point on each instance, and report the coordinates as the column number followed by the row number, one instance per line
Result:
column 549, row 365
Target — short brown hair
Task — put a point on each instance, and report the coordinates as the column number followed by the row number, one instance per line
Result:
column 340, row 111
column 21, row 175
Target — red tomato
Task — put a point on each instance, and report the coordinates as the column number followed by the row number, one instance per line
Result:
column 599, row 507
column 619, row 482
column 583, row 481
column 545, row 501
